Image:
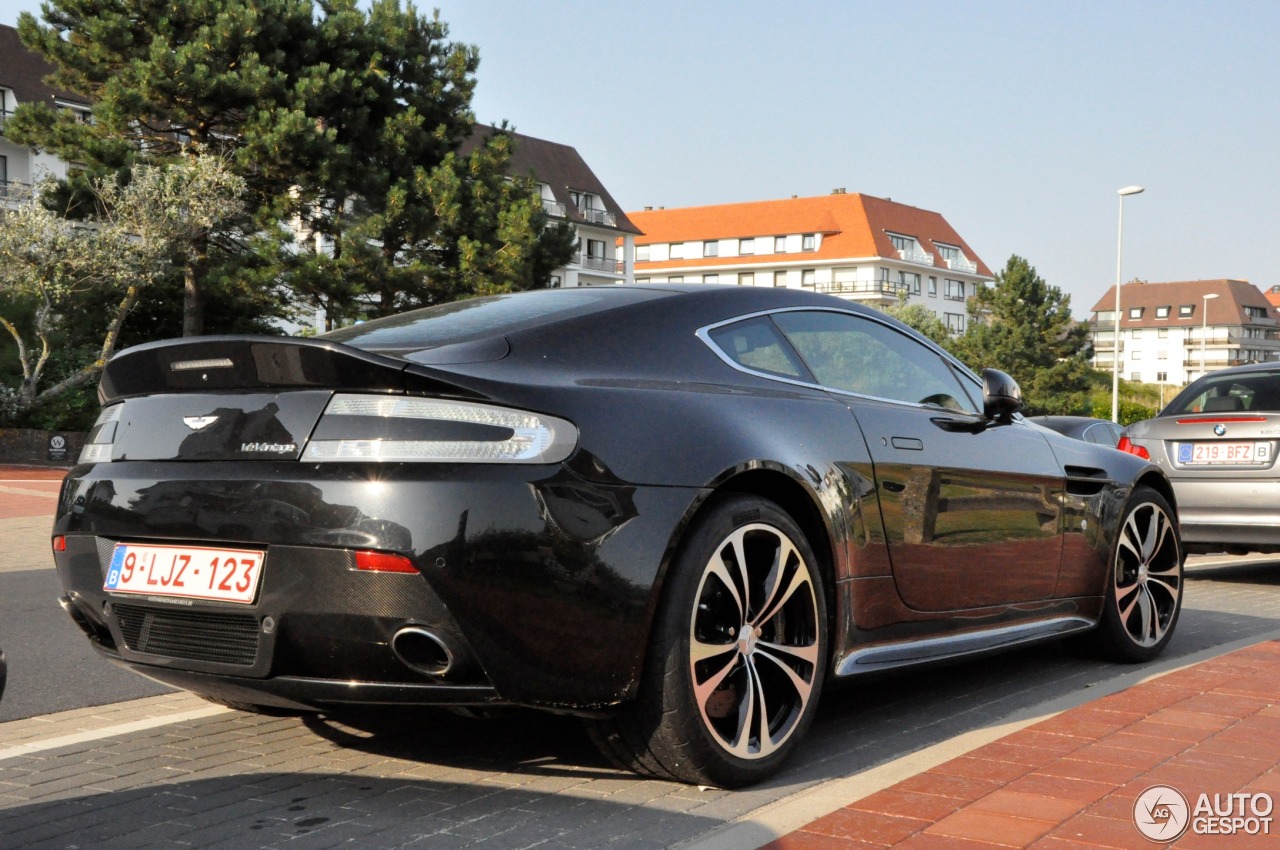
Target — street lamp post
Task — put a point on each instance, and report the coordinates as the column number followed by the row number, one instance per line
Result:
column 1204, row 327
column 1115, row 343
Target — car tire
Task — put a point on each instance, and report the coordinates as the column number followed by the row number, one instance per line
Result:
column 737, row 656
column 1144, row 589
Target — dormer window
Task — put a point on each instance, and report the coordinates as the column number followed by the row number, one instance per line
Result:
column 1186, row 311
column 809, row 242
column 1136, row 312
column 779, row 244
column 711, row 248
column 746, row 246
column 1162, row 312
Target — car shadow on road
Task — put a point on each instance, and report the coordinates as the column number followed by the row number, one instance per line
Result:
column 1261, row 572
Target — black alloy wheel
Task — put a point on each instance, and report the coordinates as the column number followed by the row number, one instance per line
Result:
column 738, row 655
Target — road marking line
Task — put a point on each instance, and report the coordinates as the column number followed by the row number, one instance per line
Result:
column 109, row 732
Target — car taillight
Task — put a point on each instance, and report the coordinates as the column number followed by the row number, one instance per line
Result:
column 383, row 562
column 1127, row 445
column 97, row 448
column 398, row 429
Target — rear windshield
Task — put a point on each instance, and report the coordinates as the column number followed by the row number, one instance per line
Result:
column 1228, row 394
column 477, row 318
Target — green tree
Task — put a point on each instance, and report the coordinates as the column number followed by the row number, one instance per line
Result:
column 344, row 124
column 922, row 319
column 47, row 261
column 1023, row 326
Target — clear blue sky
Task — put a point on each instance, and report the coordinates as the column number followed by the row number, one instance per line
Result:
column 1018, row 121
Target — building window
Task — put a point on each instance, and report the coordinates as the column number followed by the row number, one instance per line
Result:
column 1161, row 377
column 677, row 251
column 809, row 278
column 642, row 280
column 1135, row 355
column 746, row 246
column 902, row 243
column 1162, row 333
column 1135, row 376
column 1162, row 312
column 948, row 253
column 779, row 278
column 711, row 278
column 933, row 286
column 747, row 279
column 953, row 290
column 1137, row 333
column 910, row 282
column 955, row 322
column 554, row 283
column 1256, row 312
column 1162, row 355
column 595, row 249
column 711, row 249
column 1186, row 310
column 779, row 244
column 809, row 242
column 676, row 278
column 642, row 253
column 1136, row 312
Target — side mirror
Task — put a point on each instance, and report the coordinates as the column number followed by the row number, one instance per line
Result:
column 1001, row 396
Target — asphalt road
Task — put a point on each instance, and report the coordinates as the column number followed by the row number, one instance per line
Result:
column 407, row 778
column 51, row 667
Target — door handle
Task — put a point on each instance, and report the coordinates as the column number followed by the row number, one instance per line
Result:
column 911, row 444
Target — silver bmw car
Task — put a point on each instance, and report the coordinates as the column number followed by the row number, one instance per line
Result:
column 1217, row 441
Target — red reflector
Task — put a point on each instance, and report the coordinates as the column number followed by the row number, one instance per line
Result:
column 384, row 562
column 59, row 544
column 1201, row 420
column 1126, row 445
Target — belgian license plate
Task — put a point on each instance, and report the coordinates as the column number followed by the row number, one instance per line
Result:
column 1196, row 454
column 191, row 572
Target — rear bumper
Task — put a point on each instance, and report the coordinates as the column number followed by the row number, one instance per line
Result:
column 1225, row 515
column 541, row 581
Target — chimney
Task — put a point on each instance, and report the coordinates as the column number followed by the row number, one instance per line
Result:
column 838, row 191
column 648, row 209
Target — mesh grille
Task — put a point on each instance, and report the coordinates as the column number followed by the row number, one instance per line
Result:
column 193, row 635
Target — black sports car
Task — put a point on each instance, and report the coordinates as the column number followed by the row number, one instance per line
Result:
column 677, row 511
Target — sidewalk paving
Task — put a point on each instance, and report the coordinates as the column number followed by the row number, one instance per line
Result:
column 1071, row 782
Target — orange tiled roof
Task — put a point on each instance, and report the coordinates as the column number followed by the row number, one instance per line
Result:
column 853, row 226
column 1226, row 309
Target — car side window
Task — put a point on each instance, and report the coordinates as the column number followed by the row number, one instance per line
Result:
column 857, row 355
column 756, row 344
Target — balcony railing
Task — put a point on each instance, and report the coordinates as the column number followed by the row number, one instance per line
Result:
column 600, row 264
column 12, row 190
column 855, row 287
column 555, row 209
column 915, row 255
column 962, row 264
column 595, row 216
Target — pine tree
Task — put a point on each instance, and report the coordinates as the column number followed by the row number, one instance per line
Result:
column 1023, row 326
column 344, row 122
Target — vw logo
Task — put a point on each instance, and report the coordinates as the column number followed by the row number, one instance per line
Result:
column 1220, row 429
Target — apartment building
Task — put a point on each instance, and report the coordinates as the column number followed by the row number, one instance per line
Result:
column 866, row 249
column 22, row 76
column 1172, row 333
column 572, row 193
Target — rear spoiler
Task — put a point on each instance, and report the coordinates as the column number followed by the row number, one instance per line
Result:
column 258, row 363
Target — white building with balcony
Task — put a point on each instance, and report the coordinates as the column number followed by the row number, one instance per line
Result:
column 22, row 74
column 572, row 193
column 866, row 249
column 1172, row 333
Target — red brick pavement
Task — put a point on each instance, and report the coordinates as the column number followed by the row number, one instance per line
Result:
column 28, row 491
column 1071, row 782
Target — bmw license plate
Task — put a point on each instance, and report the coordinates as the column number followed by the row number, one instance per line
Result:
column 190, row 572
column 1197, row 454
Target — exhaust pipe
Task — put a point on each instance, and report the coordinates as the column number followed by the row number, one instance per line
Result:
column 423, row 651
column 77, row 616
